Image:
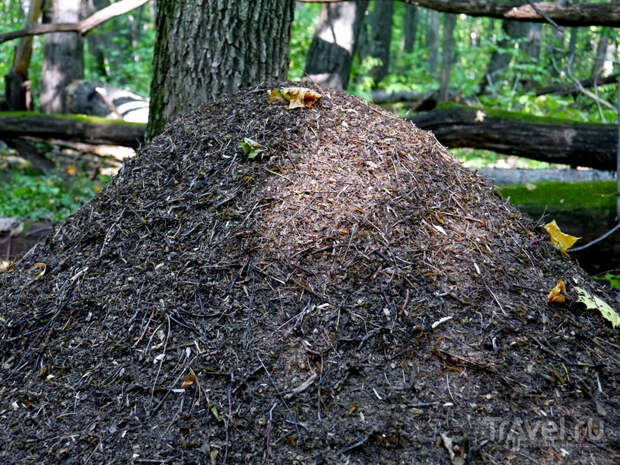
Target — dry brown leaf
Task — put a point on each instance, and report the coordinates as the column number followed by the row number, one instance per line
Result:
column 297, row 97
column 558, row 293
column 188, row 380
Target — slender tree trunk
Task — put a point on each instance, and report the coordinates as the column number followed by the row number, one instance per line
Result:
column 533, row 35
column 601, row 51
column 447, row 50
column 409, row 28
column 63, row 59
column 18, row 90
column 331, row 51
column 96, row 40
column 205, row 49
column 381, row 37
column 432, row 41
column 500, row 59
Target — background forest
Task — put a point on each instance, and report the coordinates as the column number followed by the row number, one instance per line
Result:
column 406, row 58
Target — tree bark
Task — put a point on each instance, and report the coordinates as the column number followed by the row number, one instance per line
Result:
column 599, row 58
column 446, row 60
column 380, row 38
column 97, row 42
column 409, row 28
column 500, row 58
column 432, row 41
column 206, row 49
column 63, row 59
column 68, row 127
column 588, row 14
column 17, row 89
column 331, row 52
column 577, row 144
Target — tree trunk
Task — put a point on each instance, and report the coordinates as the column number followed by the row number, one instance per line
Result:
column 97, row 41
column 432, row 41
column 17, row 87
column 577, row 144
column 380, row 38
column 331, row 52
column 206, row 49
column 500, row 58
column 447, row 50
column 63, row 59
column 71, row 127
column 533, row 34
column 409, row 28
column 601, row 51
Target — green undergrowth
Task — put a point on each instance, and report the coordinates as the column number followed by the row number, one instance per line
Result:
column 28, row 194
column 577, row 195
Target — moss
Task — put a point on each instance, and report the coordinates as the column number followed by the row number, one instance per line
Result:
column 73, row 117
column 592, row 194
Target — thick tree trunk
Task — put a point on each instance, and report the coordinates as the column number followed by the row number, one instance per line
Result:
column 206, row 49
column 63, row 56
column 577, row 144
column 446, row 60
column 380, row 38
column 331, row 52
column 69, row 127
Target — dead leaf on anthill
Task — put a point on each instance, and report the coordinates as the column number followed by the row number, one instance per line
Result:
column 558, row 238
column 558, row 293
column 6, row 265
column 297, row 97
column 38, row 270
column 188, row 380
column 593, row 302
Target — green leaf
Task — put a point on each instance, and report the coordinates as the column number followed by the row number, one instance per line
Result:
column 594, row 303
column 251, row 148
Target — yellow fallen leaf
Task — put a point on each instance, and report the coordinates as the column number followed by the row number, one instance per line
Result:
column 297, row 97
column 558, row 238
column 276, row 96
column 595, row 303
column 6, row 265
column 71, row 170
column 188, row 380
column 558, row 293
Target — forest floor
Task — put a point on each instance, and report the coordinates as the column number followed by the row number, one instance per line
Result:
column 350, row 295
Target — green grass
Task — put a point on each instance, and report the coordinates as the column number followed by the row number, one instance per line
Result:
column 28, row 195
column 582, row 195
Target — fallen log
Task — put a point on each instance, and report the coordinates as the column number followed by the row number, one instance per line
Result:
column 81, row 128
column 590, row 82
column 539, row 138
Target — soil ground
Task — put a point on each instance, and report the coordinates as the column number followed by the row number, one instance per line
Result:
column 351, row 295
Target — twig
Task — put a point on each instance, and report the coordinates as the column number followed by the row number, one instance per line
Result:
column 598, row 239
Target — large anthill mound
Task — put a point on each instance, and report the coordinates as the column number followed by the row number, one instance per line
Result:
column 351, row 295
